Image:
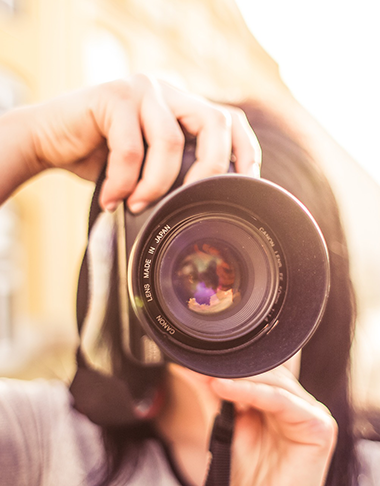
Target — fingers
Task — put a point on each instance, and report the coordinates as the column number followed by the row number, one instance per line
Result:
column 213, row 147
column 165, row 141
column 128, row 112
column 220, row 131
column 282, row 377
column 116, row 113
column 281, row 433
column 298, row 419
column 245, row 146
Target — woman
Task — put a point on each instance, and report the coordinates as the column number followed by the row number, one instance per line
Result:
column 323, row 369
column 283, row 435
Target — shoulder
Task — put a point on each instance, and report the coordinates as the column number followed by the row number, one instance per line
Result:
column 32, row 405
column 41, row 434
column 21, row 393
column 28, row 406
column 369, row 459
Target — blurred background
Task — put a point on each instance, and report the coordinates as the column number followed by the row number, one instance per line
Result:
column 316, row 65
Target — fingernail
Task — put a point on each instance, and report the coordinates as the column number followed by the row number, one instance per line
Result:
column 137, row 207
column 111, row 206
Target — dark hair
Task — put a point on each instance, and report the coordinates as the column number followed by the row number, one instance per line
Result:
column 325, row 361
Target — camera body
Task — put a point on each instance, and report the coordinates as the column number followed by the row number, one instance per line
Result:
column 228, row 276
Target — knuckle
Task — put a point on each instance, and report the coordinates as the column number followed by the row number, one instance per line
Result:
column 131, row 152
column 218, row 167
column 237, row 113
column 173, row 140
column 140, row 79
column 325, row 431
column 220, row 116
column 239, row 117
column 126, row 88
column 118, row 87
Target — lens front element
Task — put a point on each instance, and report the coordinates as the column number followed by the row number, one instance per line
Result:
column 216, row 277
column 207, row 277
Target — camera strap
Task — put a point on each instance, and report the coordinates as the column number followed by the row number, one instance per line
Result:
column 104, row 396
column 220, row 447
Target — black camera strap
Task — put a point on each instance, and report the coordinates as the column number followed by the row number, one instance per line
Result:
column 83, row 294
column 220, row 447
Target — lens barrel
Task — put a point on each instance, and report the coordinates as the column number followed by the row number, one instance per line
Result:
column 229, row 276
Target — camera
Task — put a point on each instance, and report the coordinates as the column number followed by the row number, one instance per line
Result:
column 228, row 276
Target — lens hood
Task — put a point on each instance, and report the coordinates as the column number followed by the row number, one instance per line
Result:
column 229, row 276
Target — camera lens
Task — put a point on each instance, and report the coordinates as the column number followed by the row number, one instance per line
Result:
column 229, row 276
column 216, row 277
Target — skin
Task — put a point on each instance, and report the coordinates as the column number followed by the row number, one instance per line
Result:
column 283, row 436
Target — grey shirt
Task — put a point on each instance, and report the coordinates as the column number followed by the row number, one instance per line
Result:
column 44, row 441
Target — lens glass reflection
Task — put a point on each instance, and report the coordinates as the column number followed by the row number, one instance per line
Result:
column 207, row 277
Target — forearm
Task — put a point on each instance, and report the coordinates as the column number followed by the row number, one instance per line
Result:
column 18, row 161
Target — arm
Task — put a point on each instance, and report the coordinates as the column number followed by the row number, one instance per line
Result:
column 81, row 130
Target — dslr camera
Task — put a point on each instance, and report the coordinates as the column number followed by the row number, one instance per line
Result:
column 228, row 276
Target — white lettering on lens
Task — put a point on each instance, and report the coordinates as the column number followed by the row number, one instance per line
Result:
column 147, row 267
column 162, row 322
column 162, row 233
column 267, row 236
column 148, row 293
column 278, row 259
column 279, row 292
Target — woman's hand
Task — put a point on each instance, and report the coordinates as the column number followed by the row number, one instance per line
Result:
column 282, row 435
column 81, row 130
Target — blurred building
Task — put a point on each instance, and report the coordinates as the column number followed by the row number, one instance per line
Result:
column 50, row 47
